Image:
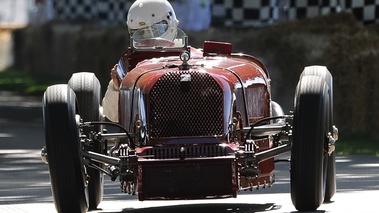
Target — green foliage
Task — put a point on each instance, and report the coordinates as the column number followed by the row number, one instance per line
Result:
column 26, row 83
column 353, row 58
column 359, row 144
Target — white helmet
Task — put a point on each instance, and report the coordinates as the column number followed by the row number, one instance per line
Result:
column 156, row 18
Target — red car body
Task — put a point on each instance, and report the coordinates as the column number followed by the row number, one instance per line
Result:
column 193, row 124
column 194, row 115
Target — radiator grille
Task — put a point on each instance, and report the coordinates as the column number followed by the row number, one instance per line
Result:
column 187, row 152
column 189, row 108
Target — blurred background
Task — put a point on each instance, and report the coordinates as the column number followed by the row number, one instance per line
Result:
column 43, row 42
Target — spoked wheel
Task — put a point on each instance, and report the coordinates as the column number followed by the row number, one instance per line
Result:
column 67, row 173
column 88, row 94
column 322, row 71
column 308, row 156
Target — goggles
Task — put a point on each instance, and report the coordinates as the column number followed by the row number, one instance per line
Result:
column 154, row 31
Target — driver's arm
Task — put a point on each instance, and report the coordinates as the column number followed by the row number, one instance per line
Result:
column 110, row 100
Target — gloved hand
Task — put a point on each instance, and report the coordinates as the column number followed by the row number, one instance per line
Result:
column 115, row 78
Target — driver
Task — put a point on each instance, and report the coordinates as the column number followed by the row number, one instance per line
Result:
column 149, row 19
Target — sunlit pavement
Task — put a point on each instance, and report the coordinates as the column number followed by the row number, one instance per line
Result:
column 343, row 202
column 24, row 187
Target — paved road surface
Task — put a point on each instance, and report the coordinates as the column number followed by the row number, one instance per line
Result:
column 25, row 187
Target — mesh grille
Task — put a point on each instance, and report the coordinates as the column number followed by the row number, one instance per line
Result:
column 190, row 151
column 187, row 108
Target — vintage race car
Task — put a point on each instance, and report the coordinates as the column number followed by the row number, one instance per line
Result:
column 193, row 124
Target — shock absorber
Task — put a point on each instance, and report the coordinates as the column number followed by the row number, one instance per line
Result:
column 250, row 167
column 128, row 174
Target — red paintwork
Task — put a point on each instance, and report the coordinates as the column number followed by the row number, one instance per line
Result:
column 221, row 68
column 228, row 70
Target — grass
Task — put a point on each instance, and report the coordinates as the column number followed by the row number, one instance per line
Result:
column 26, row 83
column 357, row 145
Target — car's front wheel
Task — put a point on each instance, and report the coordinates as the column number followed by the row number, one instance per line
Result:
column 67, row 173
column 308, row 155
column 88, row 95
column 322, row 71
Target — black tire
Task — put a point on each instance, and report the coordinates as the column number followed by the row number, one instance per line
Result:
column 88, row 94
column 67, row 173
column 331, row 183
column 308, row 156
column 323, row 72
